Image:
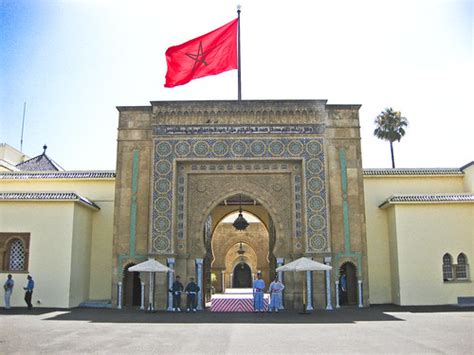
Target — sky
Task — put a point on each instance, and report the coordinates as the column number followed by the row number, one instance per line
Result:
column 73, row 62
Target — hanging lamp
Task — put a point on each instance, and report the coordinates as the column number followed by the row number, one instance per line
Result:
column 240, row 222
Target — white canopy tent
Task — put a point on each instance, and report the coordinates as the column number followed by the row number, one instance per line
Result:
column 151, row 266
column 304, row 264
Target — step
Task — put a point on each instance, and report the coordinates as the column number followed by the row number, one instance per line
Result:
column 96, row 304
column 465, row 301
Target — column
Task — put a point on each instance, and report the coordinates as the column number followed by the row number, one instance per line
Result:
column 199, row 263
column 142, row 296
column 309, row 290
column 170, row 262
column 223, row 281
column 337, row 294
column 119, row 295
column 231, row 278
column 281, row 262
column 359, row 286
column 327, row 261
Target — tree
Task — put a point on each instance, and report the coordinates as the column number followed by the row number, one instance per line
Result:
column 390, row 126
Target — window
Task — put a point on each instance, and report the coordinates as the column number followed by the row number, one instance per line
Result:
column 17, row 256
column 461, row 267
column 447, row 267
column 455, row 272
column 14, row 251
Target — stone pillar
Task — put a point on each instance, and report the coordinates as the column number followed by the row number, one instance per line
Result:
column 327, row 261
column 199, row 263
column 281, row 262
column 171, row 263
column 309, row 291
column 231, row 278
column 359, row 286
column 142, row 296
column 337, row 294
column 119, row 295
column 223, row 281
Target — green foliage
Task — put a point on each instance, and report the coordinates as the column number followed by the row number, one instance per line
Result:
column 390, row 125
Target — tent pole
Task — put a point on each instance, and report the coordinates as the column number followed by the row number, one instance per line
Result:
column 150, row 293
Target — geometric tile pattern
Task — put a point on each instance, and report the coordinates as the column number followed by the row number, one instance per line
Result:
column 310, row 188
column 17, row 256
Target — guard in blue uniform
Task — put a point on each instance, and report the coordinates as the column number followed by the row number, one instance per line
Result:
column 258, row 288
column 29, row 291
column 191, row 290
column 176, row 290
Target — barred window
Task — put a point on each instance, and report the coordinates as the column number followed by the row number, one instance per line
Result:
column 461, row 267
column 447, row 267
column 17, row 255
column 14, row 252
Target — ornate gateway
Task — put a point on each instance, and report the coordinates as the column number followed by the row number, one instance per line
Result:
column 181, row 165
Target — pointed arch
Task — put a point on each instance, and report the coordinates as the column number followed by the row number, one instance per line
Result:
column 462, row 267
column 447, row 267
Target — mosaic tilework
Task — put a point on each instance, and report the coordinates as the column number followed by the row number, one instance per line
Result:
column 233, row 166
column 310, row 150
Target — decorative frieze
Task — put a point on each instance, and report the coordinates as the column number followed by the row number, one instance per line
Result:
column 176, row 130
column 211, row 154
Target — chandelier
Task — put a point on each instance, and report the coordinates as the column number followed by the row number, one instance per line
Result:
column 240, row 222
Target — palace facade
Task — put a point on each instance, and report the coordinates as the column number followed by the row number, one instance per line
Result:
column 186, row 169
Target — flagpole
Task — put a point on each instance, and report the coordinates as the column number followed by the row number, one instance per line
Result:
column 22, row 127
column 239, row 75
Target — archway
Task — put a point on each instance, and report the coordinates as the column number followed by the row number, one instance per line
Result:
column 233, row 256
column 131, row 287
column 242, row 276
column 349, row 297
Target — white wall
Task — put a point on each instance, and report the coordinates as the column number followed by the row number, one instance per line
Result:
column 424, row 234
column 80, row 256
column 50, row 225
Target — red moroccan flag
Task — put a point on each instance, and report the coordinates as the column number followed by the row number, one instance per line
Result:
column 209, row 54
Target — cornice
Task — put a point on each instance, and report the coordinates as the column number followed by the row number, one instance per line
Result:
column 47, row 196
column 290, row 107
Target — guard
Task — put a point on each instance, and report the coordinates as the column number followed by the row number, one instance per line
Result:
column 191, row 290
column 176, row 290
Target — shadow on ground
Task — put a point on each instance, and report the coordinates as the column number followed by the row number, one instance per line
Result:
column 133, row 315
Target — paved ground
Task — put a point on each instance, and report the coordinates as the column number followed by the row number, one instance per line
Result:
column 378, row 329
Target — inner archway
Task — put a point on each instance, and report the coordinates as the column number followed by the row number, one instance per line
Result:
column 233, row 256
column 242, row 276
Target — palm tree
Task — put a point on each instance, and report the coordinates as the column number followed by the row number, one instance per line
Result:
column 390, row 127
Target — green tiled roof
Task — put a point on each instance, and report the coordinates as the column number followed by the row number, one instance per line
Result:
column 93, row 174
column 412, row 171
column 46, row 196
column 428, row 198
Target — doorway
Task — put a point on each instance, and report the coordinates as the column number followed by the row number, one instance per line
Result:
column 242, row 276
column 132, row 291
column 348, row 297
column 233, row 254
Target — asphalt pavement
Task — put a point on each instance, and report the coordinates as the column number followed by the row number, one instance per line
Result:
column 377, row 329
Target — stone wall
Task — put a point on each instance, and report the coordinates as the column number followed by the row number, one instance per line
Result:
column 300, row 159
